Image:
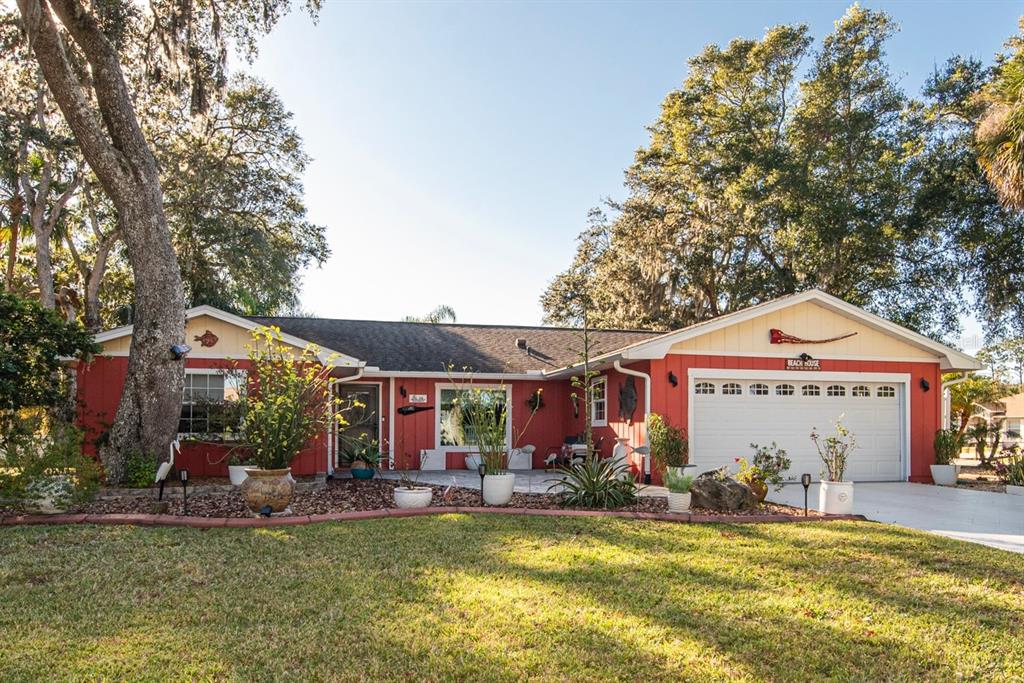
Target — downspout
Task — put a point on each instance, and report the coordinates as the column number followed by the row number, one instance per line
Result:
column 947, row 403
column 647, row 412
column 331, row 441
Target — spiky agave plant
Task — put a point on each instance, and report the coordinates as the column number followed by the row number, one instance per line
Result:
column 596, row 483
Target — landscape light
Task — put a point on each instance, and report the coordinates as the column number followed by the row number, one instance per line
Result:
column 183, row 477
column 482, row 470
column 805, row 479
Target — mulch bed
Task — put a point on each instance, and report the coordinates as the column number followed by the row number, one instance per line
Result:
column 979, row 479
column 349, row 495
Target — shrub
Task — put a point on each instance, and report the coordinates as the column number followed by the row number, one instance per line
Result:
column 948, row 444
column 678, row 483
column 139, row 470
column 669, row 445
column 367, row 453
column 834, row 451
column 1010, row 468
column 768, row 464
column 46, row 463
column 597, row 483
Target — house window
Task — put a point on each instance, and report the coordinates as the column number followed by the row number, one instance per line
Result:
column 810, row 390
column 455, row 427
column 704, row 388
column 836, row 390
column 731, row 389
column 861, row 391
column 758, row 389
column 599, row 402
column 785, row 390
column 886, row 392
column 209, row 403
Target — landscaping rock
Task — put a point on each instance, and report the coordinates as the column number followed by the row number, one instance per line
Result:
column 722, row 495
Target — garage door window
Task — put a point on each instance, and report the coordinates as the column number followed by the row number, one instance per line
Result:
column 704, row 388
column 758, row 389
column 785, row 390
column 811, row 390
column 731, row 389
column 836, row 390
column 861, row 392
column 886, row 392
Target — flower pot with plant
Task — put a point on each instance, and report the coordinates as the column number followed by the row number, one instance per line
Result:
column 764, row 470
column 485, row 418
column 678, row 486
column 670, row 449
column 948, row 444
column 237, row 465
column 288, row 403
column 409, row 495
column 364, row 460
column 835, row 496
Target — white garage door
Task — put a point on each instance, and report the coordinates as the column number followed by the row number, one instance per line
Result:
column 730, row 414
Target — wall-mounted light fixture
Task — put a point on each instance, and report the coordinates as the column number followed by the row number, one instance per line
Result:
column 925, row 385
column 402, row 391
column 672, row 379
column 179, row 351
column 806, row 357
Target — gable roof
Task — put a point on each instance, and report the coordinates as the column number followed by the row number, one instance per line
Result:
column 432, row 347
column 657, row 347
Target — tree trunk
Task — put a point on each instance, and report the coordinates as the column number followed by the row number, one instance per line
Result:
column 119, row 155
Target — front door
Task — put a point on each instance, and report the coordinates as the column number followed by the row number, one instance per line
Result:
column 361, row 406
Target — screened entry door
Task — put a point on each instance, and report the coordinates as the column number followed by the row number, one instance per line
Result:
column 361, row 403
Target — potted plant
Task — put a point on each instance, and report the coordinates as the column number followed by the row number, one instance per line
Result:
column 237, row 465
column 364, row 460
column 948, row 443
column 288, row 404
column 1010, row 469
column 670, row 449
column 409, row 495
column 835, row 496
column 487, row 420
column 678, row 486
column 765, row 469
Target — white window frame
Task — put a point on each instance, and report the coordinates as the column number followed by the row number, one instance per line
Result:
column 220, row 372
column 594, row 421
column 704, row 388
column 437, row 415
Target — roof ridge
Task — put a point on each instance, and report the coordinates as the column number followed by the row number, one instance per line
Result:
column 456, row 324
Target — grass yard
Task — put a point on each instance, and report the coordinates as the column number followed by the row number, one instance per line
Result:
column 507, row 598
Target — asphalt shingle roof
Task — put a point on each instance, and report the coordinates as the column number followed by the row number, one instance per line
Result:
column 430, row 347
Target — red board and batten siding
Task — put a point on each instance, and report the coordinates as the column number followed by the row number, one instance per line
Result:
column 99, row 391
column 925, row 406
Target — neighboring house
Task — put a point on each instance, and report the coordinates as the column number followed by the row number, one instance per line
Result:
column 1008, row 412
column 769, row 373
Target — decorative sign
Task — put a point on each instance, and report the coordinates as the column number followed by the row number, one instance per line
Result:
column 780, row 337
column 207, row 338
column 417, row 398
column 801, row 364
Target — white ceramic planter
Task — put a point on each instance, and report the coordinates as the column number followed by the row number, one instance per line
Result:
column 498, row 488
column 416, row 497
column 944, row 475
column 1015, row 490
column 473, row 461
column 236, row 473
column 678, row 502
column 835, row 497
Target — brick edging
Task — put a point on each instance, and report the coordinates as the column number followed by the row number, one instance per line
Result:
column 255, row 522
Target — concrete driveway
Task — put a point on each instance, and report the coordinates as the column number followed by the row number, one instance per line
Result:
column 993, row 519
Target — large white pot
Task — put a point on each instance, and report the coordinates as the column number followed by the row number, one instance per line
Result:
column 498, row 488
column 835, row 497
column 473, row 461
column 416, row 497
column 678, row 502
column 944, row 475
column 236, row 473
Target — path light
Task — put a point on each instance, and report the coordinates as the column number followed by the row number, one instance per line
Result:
column 805, row 479
column 183, row 476
column 482, row 470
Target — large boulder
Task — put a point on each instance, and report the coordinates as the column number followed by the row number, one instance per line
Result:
column 713, row 492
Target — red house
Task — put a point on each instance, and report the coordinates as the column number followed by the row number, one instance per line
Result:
column 768, row 373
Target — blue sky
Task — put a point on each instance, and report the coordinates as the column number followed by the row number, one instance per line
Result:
column 458, row 146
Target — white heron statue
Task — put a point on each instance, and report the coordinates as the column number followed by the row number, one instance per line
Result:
column 165, row 467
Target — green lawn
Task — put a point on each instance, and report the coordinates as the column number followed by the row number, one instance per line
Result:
column 507, row 598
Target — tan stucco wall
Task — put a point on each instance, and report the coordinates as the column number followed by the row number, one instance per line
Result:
column 806, row 320
column 231, row 339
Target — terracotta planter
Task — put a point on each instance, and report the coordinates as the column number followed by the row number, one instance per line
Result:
column 416, row 497
column 273, row 488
